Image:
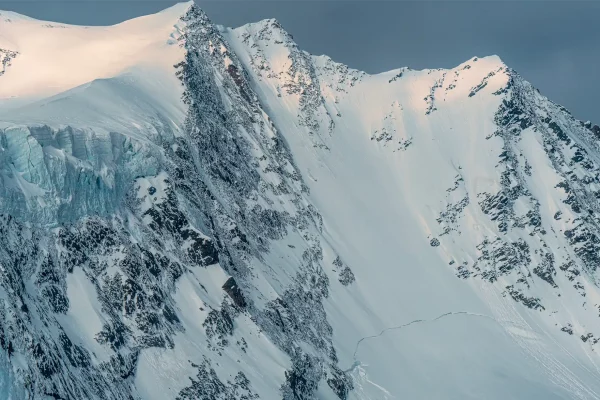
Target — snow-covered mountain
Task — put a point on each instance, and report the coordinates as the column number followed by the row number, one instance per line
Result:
column 189, row 211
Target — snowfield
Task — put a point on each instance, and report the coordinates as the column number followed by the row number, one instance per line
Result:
column 189, row 211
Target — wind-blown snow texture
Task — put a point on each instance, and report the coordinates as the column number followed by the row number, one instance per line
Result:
column 212, row 213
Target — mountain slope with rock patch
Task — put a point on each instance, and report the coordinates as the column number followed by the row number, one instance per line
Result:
column 214, row 213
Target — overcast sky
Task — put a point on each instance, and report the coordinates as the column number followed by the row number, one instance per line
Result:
column 555, row 45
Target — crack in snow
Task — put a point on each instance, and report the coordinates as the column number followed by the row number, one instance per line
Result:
column 357, row 363
column 29, row 163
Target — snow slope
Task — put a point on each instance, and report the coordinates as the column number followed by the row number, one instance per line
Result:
column 398, row 160
column 213, row 213
column 53, row 58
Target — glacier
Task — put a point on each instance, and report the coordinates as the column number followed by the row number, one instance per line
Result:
column 190, row 211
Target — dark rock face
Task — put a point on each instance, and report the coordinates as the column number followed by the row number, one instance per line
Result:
column 56, row 365
column 567, row 329
column 234, row 292
column 207, row 386
column 168, row 219
column 530, row 302
column 223, row 159
column 219, row 325
column 346, row 276
column 301, row 381
column 340, row 383
column 6, row 56
column 520, row 255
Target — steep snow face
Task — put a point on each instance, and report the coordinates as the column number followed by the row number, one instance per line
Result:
column 423, row 177
column 213, row 213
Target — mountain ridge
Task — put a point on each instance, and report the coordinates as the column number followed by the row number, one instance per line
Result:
column 237, row 221
column 179, row 9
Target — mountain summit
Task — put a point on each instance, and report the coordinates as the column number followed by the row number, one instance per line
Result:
column 189, row 211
